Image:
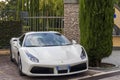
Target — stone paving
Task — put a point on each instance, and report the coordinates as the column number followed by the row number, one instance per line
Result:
column 9, row 71
column 117, row 77
column 114, row 58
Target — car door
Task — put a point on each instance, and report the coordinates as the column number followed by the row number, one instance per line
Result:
column 14, row 42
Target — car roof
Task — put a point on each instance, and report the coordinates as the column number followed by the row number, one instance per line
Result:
column 41, row 32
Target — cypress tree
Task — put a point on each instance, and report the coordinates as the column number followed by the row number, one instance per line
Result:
column 96, row 25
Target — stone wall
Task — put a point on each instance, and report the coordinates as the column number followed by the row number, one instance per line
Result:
column 71, row 21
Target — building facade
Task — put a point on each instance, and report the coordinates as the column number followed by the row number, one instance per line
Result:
column 116, row 36
column 71, row 22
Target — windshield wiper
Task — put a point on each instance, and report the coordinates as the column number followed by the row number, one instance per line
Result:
column 49, row 45
column 56, row 45
column 32, row 46
column 68, row 44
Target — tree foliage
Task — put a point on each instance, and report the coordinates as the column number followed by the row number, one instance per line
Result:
column 117, row 2
column 8, row 10
column 38, row 10
column 2, row 5
column 41, row 7
column 96, row 25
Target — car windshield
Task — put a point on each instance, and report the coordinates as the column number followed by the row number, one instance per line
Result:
column 46, row 39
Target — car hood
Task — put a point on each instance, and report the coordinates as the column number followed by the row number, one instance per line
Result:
column 55, row 52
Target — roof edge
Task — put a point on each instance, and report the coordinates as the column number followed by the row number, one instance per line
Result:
column 116, row 6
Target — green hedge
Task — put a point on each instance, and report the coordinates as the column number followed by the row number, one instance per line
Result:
column 9, row 29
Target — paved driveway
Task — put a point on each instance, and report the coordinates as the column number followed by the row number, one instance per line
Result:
column 114, row 58
column 9, row 71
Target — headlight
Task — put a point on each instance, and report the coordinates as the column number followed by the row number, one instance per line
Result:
column 32, row 58
column 83, row 54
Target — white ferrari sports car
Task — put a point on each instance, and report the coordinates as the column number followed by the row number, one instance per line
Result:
column 47, row 54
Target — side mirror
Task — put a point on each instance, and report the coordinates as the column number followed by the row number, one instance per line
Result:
column 15, row 43
column 74, row 42
column 15, row 40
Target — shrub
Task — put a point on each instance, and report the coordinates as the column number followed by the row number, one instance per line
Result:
column 9, row 29
column 96, row 25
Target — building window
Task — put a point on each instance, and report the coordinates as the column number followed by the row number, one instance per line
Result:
column 116, row 30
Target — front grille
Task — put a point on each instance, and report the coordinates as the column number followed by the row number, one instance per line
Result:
column 62, row 71
column 78, row 67
column 42, row 70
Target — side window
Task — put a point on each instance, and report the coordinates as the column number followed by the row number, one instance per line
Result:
column 21, row 39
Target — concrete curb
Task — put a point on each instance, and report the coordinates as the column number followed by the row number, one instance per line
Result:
column 109, row 72
column 97, row 75
column 4, row 51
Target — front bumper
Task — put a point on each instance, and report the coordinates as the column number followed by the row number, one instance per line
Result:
column 54, row 69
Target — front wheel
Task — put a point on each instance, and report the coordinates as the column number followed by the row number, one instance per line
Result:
column 20, row 66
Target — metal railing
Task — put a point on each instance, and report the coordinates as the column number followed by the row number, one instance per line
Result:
column 43, row 23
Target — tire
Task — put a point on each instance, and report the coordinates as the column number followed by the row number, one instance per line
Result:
column 11, row 58
column 20, row 66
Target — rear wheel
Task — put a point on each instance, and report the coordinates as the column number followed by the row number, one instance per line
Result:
column 20, row 66
column 11, row 55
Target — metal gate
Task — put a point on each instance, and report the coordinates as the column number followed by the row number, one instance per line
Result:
column 41, row 15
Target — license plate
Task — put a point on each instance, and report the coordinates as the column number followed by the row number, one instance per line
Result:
column 62, row 67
